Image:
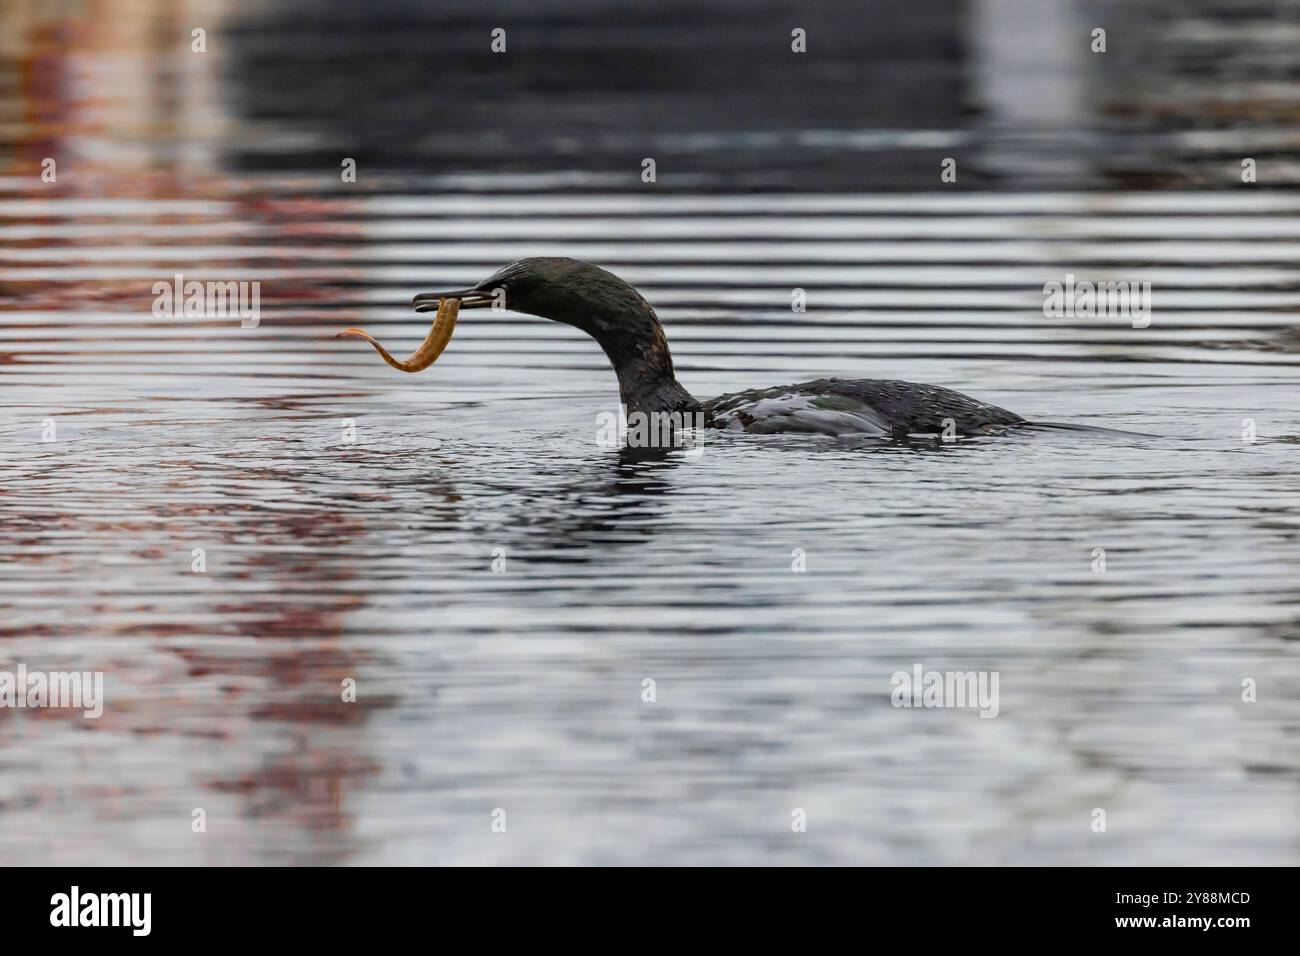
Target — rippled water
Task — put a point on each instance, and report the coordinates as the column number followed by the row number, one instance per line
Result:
column 500, row 586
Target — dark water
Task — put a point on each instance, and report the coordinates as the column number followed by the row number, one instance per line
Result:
column 499, row 585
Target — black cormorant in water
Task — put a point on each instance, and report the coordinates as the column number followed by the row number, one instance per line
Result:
column 622, row 321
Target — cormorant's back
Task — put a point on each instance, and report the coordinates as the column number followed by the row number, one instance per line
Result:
column 837, row 406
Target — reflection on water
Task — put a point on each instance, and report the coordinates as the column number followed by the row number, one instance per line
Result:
column 499, row 586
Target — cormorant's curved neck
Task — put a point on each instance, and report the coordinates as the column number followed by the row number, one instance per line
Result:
column 647, row 384
column 636, row 346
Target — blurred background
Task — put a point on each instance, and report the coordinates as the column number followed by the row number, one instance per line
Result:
column 587, row 89
column 519, row 687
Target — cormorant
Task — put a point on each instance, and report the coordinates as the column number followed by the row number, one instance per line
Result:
column 620, row 319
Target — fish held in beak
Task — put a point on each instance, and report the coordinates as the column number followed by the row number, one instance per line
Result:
column 439, row 335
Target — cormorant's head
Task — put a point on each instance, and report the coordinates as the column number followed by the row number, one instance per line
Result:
column 565, row 290
column 578, row 294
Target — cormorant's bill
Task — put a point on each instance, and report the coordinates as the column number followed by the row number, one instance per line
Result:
column 468, row 298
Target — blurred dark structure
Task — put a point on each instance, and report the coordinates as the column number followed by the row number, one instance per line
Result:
column 714, row 93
